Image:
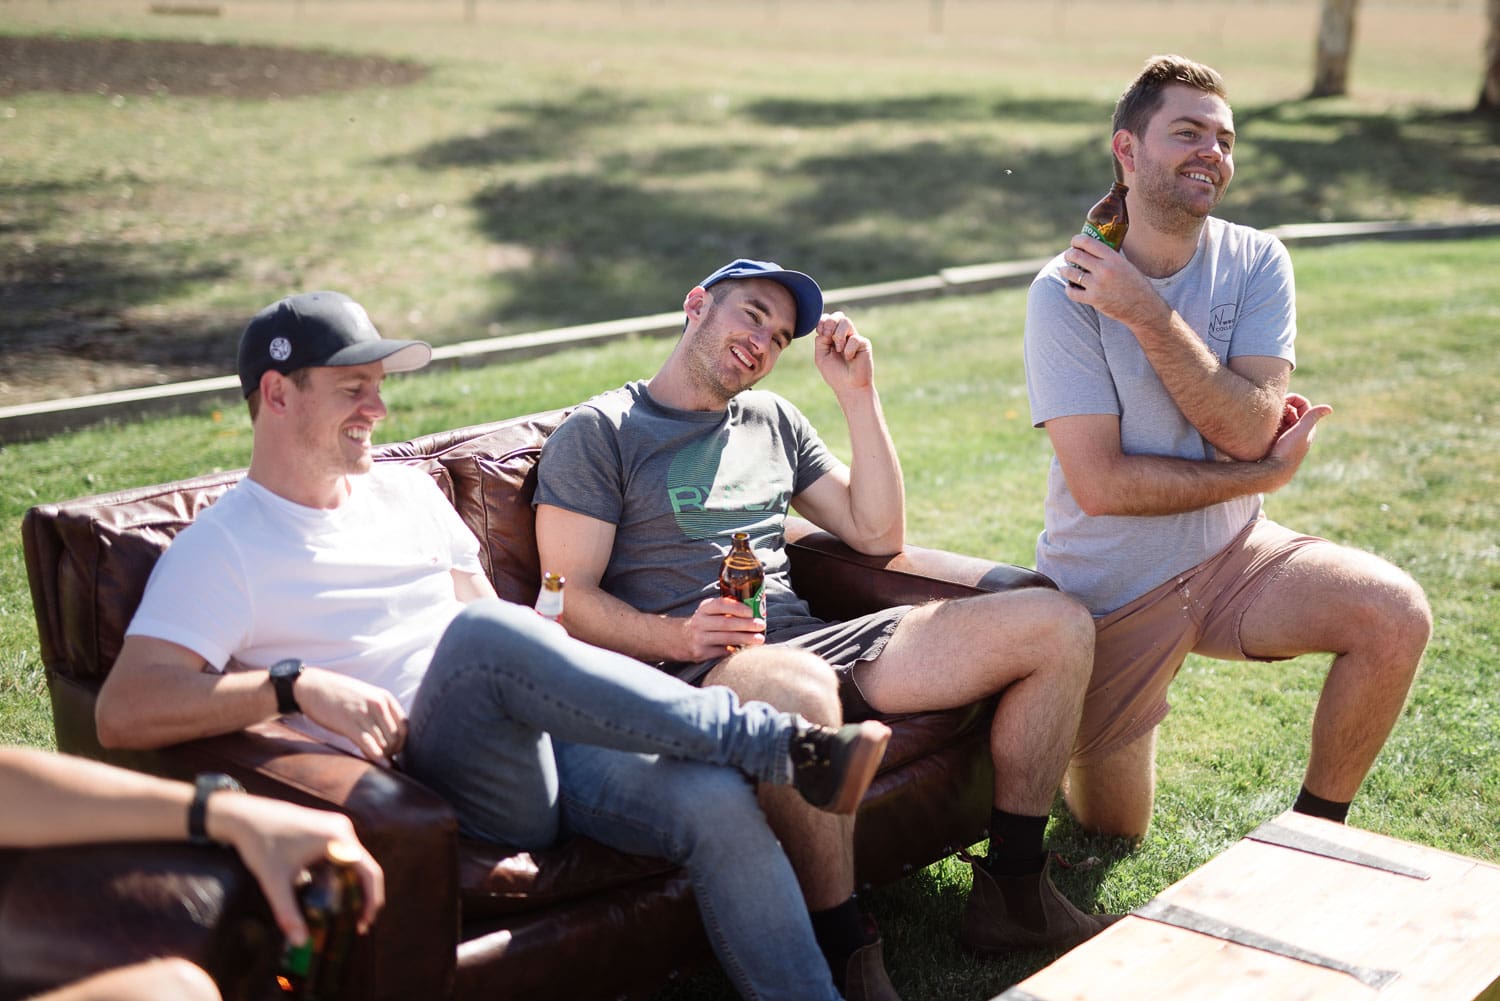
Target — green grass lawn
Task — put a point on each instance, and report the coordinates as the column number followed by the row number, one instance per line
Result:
column 1397, row 336
column 579, row 160
column 584, row 160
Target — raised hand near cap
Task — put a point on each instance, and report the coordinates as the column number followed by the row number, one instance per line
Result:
column 844, row 357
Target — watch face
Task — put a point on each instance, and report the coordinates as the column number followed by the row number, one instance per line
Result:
column 286, row 668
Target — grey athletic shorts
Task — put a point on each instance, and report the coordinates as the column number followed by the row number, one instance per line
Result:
column 844, row 645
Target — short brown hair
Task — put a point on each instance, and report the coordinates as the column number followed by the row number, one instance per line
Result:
column 1145, row 94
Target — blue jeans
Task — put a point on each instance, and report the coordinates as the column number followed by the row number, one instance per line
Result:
column 532, row 735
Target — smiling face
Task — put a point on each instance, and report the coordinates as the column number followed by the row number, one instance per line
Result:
column 335, row 416
column 1180, row 165
column 735, row 341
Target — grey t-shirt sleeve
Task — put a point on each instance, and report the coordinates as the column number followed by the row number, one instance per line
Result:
column 1067, row 370
column 1266, row 321
column 580, row 468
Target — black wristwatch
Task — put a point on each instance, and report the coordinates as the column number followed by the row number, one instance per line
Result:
column 284, row 675
column 204, row 786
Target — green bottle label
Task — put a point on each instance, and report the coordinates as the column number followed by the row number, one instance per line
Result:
column 297, row 959
column 757, row 602
column 1089, row 229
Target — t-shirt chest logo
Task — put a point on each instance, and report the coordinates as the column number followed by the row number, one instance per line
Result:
column 711, row 495
column 1221, row 321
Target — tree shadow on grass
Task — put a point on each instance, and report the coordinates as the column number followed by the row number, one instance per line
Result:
column 67, row 305
column 627, row 235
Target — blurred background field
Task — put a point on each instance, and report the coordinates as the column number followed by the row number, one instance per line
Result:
column 580, row 160
column 522, row 165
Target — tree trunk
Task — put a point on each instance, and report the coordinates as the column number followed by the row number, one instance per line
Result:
column 1335, row 46
column 1489, row 91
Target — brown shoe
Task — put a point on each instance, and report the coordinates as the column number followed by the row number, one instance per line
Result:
column 865, row 978
column 1008, row 913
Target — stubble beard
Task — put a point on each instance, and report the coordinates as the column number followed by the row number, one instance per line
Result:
column 1163, row 203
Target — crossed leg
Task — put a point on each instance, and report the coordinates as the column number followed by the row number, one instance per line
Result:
column 819, row 845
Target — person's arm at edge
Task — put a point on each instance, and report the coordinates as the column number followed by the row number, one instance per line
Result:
column 73, row 801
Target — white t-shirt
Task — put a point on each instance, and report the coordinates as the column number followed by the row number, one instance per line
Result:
column 364, row 589
column 1238, row 294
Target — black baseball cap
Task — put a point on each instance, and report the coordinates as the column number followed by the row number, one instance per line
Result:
column 317, row 329
column 805, row 291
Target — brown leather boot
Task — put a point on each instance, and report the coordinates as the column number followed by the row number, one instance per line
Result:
column 865, row 978
column 1007, row 913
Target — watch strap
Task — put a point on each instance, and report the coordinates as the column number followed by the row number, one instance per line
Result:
column 204, row 786
column 284, row 682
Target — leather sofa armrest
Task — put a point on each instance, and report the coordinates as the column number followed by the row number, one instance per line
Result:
column 839, row 583
column 70, row 912
column 412, row 832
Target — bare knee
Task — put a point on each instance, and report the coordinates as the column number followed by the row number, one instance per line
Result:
column 187, row 981
column 1064, row 636
column 1113, row 794
column 790, row 679
column 166, row 979
column 1398, row 623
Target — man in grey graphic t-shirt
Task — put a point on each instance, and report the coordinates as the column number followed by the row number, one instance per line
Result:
column 638, row 495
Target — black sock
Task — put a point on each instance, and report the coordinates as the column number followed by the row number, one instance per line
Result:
column 1016, row 844
column 840, row 931
column 1316, row 806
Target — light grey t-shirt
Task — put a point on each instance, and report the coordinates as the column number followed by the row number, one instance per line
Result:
column 1238, row 293
column 677, row 485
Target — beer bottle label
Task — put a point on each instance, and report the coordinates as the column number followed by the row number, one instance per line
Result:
column 1089, row 229
column 757, row 602
column 296, row 960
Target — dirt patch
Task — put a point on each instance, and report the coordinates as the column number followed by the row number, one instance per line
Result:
column 193, row 69
column 92, row 349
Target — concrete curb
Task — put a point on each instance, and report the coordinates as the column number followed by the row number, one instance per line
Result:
column 39, row 420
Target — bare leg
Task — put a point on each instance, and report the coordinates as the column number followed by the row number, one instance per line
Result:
column 170, row 979
column 1035, row 646
column 1375, row 621
column 819, row 845
column 1113, row 793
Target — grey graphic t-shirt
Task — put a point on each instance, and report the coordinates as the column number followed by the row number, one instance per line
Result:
column 677, row 485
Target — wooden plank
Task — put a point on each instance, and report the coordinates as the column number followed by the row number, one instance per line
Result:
column 1441, row 935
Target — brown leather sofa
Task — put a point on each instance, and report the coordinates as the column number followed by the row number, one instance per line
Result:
column 470, row 920
column 69, row 912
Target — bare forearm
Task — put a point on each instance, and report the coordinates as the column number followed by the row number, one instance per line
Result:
column 1235, row 414
column 137, row 711
column 877, row 493
column 1145, row 485
column 594, row 616
column 74, row 801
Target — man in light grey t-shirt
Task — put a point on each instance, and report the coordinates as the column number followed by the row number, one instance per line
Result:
column 1161, row 372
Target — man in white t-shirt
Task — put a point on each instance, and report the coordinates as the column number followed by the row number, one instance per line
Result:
column 349, row 599
column 1161, row 373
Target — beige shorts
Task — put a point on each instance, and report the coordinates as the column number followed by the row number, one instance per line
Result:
column 1141, row 646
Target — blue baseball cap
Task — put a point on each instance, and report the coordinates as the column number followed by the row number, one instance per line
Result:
column 805, row 291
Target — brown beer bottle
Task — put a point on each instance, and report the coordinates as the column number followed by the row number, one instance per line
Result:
column 332, row 900
column 549, row 600
column 742, row 577
column 1108, row 219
